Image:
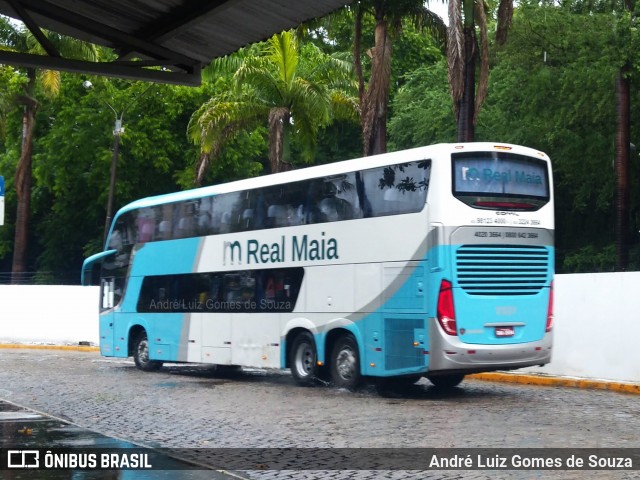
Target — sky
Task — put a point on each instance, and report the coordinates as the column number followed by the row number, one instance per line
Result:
column 440, row 7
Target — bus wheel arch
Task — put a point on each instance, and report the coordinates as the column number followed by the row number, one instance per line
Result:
column 139, row 349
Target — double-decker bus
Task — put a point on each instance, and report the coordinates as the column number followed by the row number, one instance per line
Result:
column 436, row 261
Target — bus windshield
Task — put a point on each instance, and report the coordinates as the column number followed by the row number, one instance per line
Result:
column 500, row 181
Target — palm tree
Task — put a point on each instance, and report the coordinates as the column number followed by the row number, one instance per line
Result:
column 462, row 57
column 623, row 154
column 276, row 88
column 17, row 38
column 374, row 99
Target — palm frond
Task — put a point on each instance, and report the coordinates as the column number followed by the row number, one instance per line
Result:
column 312, row 100
column 221, row 118
column 345, row 107
column 67, row 47
column 50, row 81
column 425, row 19
column 220, row 67
column 259, row 77
column 282, row 51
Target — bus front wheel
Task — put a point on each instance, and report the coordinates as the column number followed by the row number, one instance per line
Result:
column 141, row 354
column 303, row 359
column 345, row 363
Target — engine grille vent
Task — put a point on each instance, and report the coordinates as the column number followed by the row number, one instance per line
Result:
column 502, row 269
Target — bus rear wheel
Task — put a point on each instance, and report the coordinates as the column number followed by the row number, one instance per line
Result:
column 303, row 359
column 447, row 381
column 141, row 354
column 345, row 363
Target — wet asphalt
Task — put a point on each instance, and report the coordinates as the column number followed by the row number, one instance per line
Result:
column 27, row 436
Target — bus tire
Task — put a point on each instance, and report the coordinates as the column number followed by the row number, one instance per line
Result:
column 141, row 354
column 345, row 363
column 303, row 359
column 446, row 381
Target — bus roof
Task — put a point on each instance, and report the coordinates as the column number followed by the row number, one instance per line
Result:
column 337, row 168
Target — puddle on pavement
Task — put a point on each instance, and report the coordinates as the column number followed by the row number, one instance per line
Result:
column 167, row 384
column 23, row 430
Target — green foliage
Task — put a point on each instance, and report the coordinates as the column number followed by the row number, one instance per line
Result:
column 413, row 46
column 278, row 85
column 551, row 88
column 590, row 259
column 414, row 49
column 423, row 109
column 72, row 161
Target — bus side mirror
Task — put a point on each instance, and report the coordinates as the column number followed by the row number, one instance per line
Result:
column 91, row 269
column 91, row 274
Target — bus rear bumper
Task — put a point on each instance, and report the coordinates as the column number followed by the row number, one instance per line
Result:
column 448, row 353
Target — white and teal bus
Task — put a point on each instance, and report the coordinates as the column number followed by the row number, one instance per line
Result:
column 436, row 261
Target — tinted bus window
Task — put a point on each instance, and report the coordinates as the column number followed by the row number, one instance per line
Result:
column 375, row 192
column 270, row 290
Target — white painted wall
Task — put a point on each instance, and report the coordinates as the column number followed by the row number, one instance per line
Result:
column 597, row 322
column 48, row 314
column 597, row 326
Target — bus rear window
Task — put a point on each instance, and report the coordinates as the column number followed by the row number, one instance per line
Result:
column 500, row 181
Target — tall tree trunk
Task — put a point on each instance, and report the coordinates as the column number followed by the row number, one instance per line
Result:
column 376, row 98
column 466, row 105
column 278, row 118
column 23, row 179
column 622, row 145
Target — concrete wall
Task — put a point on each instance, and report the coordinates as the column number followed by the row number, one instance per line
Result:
column 597, row 326
column 49, row 314
column 597, row 322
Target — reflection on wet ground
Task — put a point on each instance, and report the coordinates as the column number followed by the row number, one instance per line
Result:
column 24, row 432
column 209, row 377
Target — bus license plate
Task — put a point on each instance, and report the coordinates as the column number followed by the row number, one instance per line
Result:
column 505, row 332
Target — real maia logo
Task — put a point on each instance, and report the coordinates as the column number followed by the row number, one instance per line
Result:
column 289, row 249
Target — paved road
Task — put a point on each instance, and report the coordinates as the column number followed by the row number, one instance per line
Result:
column 191, row 407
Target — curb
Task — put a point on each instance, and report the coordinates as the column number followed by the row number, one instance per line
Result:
column 550, row 381
column 76, row 348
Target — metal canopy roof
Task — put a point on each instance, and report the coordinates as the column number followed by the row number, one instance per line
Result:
column 180, row 36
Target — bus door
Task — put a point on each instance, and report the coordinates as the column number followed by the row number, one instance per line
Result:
column 106, row 326
column 112, row 285
column 98, row 270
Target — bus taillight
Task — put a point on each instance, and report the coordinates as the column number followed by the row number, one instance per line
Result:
column 550, row 310
column 446, row 310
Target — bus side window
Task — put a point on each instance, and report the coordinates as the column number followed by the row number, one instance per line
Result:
column 278, row 215
column 164, row 214
column 145, row 225
column 115, row 240
column 340, row 199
